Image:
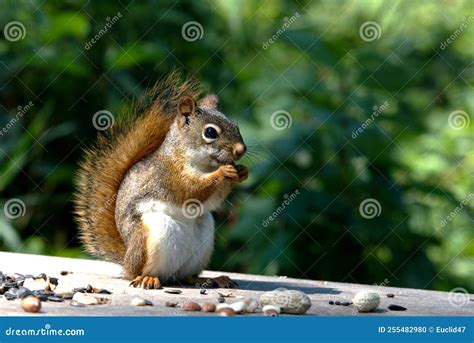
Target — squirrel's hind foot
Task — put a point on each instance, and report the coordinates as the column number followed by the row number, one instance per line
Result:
column 146, row 282
column 222, row 281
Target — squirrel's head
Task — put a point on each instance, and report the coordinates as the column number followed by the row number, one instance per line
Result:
column 214, row 139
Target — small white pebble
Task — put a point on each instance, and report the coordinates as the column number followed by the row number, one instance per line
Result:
column 238, row 306
column 61, row 290
column 366, row 301
column 86, row 299
column 271, row 308
column 36, row 284
column 251, row 305
column 140, row 302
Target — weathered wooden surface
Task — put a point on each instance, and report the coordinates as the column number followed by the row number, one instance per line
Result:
column 108, row 276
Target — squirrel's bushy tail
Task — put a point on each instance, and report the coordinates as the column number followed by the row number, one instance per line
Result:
column 135, row 136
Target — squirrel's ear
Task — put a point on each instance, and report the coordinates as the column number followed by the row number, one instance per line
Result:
column 210, row 101
column 186, row 107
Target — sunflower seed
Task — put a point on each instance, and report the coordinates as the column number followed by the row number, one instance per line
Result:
column 23, row 292
column 41, row 276
column 76, row 304
column 11, row 294
column 53, row 281
column 140, row 302
column 55, row 299
column 173, row 291
column 396, row 308
column 102, row 291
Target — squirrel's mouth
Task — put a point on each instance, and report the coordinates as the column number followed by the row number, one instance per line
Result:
column 223, row 161
column 223, row 158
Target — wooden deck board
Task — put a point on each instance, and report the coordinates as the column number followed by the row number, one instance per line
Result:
column 107, row 275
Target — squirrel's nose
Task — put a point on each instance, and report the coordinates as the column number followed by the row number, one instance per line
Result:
column 239, row 149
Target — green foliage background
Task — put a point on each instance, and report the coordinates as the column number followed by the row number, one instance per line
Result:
column 320, row 71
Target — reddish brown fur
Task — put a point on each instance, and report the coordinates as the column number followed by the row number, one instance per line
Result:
column 106, row 163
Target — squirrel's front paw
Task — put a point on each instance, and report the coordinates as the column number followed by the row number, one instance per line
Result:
column 229, row 172
column 146, row 282
column 242, row 171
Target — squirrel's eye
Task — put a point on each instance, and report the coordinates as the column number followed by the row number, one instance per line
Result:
column 210, row 133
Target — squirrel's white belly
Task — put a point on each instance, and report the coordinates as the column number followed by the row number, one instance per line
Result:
column 178, row 246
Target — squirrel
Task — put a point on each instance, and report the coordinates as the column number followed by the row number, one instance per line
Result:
column 146, row 188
